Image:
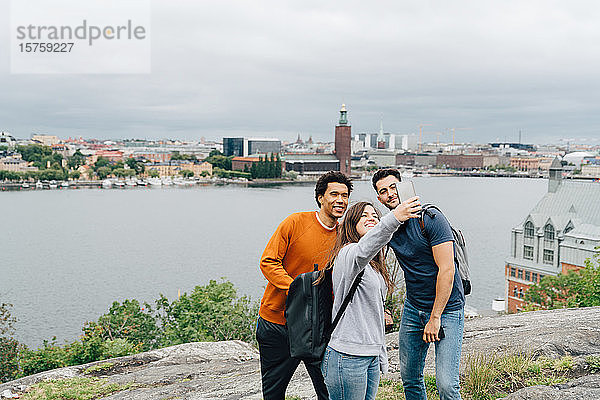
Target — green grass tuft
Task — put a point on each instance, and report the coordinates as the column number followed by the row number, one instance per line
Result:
column 73, row 389
column 99, row 367
column 593, row 362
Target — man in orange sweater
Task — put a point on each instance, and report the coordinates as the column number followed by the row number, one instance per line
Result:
column 300, row 241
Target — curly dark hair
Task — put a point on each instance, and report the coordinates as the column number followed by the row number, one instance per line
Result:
column 382, row 173
column 329, row 177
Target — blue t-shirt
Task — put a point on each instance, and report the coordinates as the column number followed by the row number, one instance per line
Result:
column 413, row 251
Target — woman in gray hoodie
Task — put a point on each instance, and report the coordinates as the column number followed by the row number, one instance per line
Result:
column 356, row 352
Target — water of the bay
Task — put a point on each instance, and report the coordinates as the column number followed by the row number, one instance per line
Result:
column 66, row 255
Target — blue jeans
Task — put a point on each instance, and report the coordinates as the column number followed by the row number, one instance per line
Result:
column 350, row 377
column 413, row 351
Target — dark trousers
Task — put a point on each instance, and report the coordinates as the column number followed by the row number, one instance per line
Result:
column 277, row 366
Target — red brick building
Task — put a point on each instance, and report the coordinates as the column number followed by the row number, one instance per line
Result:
column 460, row 161
column 241, row 163
column 343, row 138
column 557, row 236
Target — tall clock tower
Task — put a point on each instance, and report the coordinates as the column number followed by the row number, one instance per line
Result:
column 343, row 137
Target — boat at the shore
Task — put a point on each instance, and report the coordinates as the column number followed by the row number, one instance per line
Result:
column 107, row 184
column 155, row 182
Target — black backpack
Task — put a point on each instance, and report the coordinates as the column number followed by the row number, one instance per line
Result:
column 460, row 254
column 308, row 310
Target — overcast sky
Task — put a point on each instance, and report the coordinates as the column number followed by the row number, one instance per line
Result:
column 279, row 69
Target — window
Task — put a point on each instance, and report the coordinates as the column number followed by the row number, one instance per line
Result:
column 520, row 274
column 529, row 229
column 521, row 293
column 513, row 271
column 541, row 277
column 548, row 256
column 548, row 235
column 527, row 276
column 549, row 232
column 534, row 276
column 528, row 252
column 515, row 292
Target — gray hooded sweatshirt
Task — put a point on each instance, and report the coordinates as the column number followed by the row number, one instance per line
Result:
column 361, row 330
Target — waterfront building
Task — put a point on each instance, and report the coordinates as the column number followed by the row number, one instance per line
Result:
column 111, row 155
column 7, row 140
column 343, row 137
column 578, row 158
column 516, row 146
column 407, row 160
column 557, row 236
column 311, row 164
column 173, row 168
column 15, row 164
column 243, row 147
column 262, row 146
column 591, row 170
column 243, row 163
column 530, row 163
column 156, row 156
column 234, row 146
column 381, row 158
column 46, row 140
column 461, row 162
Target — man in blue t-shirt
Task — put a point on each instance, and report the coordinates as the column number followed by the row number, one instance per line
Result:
column 434, row 306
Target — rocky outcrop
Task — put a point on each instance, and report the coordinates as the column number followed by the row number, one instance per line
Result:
column 191, row 371
column 231, row 369
column 584, row 388
column 553, row 333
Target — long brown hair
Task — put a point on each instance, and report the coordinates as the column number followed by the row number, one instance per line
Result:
column 347, row 233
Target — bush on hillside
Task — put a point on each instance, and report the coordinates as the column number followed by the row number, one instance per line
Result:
column 574, row 289
column 209, row 313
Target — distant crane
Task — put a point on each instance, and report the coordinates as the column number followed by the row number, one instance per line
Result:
column 435, row 133
column 458, row 129
column 421, row 135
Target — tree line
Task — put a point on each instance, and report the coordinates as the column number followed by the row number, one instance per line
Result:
column 212, row 312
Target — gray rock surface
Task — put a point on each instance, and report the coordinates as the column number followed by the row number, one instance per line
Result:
column 584, row 388
column 554, row 333
column 231, row 369
column 191, row 371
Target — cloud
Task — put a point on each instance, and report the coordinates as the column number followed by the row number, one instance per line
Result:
column 270, row 68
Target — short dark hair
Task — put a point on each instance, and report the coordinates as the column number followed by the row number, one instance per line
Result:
column 327, row 178
column 382, row 173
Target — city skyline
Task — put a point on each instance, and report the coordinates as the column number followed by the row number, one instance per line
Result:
column 229, row 69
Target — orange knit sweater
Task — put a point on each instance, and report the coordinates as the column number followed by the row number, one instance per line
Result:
column 299, row 242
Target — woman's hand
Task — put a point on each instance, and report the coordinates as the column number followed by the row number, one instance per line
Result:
column 408, row 209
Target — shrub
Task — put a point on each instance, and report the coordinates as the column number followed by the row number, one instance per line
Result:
column 9, row 362
column 209, row 313
column 9, row 347
column 212, row 312
column 574, row 289
column 119, row 348
column 49, row 356
column 127, row 320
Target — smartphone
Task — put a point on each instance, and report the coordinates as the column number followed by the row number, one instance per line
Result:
column 441, row 333
column 405, row 190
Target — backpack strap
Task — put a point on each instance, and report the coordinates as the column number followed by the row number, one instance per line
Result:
column 346, row 301
column 425, row 211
